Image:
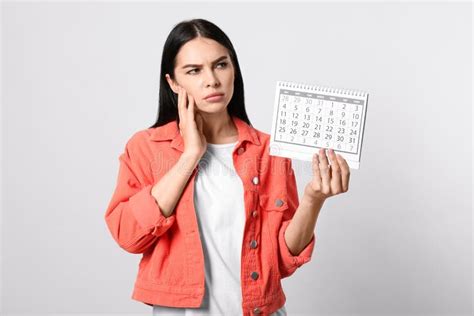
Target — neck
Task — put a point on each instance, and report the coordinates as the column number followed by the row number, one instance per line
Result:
column 219, row 128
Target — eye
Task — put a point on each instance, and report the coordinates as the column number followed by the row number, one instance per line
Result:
column 191, row 71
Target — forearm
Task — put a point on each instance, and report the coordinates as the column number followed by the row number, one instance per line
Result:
column 169, row 189
column 301, row 228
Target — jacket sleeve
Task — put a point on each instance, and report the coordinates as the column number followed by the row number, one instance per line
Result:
column 288, row 263
column 133, row 216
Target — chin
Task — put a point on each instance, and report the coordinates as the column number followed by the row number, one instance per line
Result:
column 212, row 107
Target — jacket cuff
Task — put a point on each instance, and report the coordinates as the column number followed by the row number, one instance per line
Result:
column 148, row 213
column 289, row 261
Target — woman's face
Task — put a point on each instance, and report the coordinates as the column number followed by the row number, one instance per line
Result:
column 203, row 66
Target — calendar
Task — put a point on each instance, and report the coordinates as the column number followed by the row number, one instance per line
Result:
column 309, row 117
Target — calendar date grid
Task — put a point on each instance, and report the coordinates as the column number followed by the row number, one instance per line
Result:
column 319, row 120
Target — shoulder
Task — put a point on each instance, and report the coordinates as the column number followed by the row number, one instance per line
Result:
column 263, row 137
column 138, row 139
column 137, row 155
column 279, row 162
column 137, row 146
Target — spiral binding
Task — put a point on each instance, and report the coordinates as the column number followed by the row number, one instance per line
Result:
column 326, row 89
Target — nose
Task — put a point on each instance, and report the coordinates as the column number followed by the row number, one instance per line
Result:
column 211, row 79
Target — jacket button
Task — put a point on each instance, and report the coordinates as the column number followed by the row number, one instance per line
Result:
column 240, row 151
column 254, row 213
column 279, row 202
column 254, row 275
column 253, row 244
column 255, row 180
column 256, row 310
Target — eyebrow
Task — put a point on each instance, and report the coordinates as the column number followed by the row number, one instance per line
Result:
column 196, row 65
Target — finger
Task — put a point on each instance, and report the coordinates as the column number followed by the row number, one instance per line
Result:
column 181, row 105
column 325, row 172
column 316, row 173
column 191, row 108
column 345, row 172
column 185, row 107
column 315, row 165
column 336, row 182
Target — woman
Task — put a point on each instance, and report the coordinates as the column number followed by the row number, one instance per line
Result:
column 213, row 242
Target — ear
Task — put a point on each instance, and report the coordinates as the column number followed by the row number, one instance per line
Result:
column 172, row 83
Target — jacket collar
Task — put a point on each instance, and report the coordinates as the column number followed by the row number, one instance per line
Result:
column 170, row 131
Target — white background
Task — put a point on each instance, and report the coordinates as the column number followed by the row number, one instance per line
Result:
column 78, row 79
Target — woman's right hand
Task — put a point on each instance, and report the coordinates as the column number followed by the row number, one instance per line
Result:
column 191, row 125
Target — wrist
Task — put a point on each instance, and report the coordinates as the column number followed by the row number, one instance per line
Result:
column 189, row 160
column 313, row 196
column 191, row 156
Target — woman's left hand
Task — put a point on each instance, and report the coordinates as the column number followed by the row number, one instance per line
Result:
column 328, row 180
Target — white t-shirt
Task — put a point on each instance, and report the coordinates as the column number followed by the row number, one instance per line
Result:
column 219, row 204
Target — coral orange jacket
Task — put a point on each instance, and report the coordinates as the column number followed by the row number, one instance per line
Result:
column 171, row 271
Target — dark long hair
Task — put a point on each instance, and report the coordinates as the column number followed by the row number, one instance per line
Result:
column 180, row 35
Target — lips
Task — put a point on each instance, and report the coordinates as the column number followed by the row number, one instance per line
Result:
column 213, row 95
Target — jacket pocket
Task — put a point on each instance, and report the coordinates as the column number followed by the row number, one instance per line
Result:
column 273, row 205
column 274, row 201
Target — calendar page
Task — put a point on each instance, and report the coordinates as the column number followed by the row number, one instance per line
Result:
column 308, row 117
